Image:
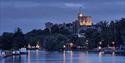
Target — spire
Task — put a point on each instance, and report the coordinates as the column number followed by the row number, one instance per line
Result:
column 80, row 12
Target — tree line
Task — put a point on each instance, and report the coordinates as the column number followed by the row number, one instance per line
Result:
column 103, row 31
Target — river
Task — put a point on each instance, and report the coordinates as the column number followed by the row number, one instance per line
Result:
column 64, row 57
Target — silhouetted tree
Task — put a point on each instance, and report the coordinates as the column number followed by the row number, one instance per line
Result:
column 19, row 39
column 55, row 29
column 6, row 41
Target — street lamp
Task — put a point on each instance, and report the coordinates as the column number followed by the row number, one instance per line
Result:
column 100, row 43
column 113, row 45
column 86, row 44
column 71, row 44
column 64, row 46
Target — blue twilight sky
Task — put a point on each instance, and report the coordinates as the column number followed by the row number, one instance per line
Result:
column 33, row 14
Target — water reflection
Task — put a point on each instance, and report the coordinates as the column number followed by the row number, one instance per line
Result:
column 83, row 57
column 100, row 54
column 37, row 56
column 71, row 56
column 113, row 53
column 100, row 57
column 113, row 59
column 28, row 56
column 64, row 57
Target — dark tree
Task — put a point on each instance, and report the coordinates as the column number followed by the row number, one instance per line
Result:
column 55, row 29
column 6, row 41
column 19, row 39
column 64, row 31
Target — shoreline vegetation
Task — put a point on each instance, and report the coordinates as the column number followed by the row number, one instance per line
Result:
column 56, row 38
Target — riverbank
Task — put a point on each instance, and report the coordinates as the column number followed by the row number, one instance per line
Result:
column 7, row 53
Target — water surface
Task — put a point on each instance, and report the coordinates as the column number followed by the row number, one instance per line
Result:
column 64, row 57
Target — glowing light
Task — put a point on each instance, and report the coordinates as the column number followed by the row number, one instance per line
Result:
column 113, row 42
column 100, row 54
column 71, row 44
column 29, row 46
column 100, row 43
column 80, row 15
column 64, row 46
column 113, row 46
column 85, row 20
column 37, row 45
column 100, row 47
column 113, row 53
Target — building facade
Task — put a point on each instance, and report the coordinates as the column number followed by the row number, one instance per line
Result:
column 82, row 22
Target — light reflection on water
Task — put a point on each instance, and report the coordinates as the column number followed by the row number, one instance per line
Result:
column 28, row 56
column 71, row 56
column 100, row 57
column 64, row 57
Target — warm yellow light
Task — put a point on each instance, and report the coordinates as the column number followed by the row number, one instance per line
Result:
column 37, row 46
column 85, row 21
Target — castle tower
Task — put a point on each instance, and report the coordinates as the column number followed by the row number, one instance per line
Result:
column 82, row 23
column 84, row 20
column 80, row 13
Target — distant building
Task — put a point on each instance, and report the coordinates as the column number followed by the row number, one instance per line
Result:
column 82, row 22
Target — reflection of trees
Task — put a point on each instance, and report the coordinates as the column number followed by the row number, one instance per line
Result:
column 13, row 59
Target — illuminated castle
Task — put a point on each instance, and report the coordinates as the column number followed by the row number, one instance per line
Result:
column 82, row 23
column 84, row 20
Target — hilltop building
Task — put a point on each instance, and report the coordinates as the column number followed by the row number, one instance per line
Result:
column 82, row 22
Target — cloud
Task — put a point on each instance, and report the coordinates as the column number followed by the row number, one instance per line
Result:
column 73, row 5
column 33, row 13
column 28, row 4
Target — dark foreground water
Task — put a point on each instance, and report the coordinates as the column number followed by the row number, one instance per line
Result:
column 64, row 57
